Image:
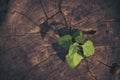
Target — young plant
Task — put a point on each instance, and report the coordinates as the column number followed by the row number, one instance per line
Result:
column 76, row 44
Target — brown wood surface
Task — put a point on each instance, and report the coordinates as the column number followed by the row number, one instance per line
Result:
column 29, row 30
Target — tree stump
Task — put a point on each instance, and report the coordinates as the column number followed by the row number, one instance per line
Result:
column 29, row 30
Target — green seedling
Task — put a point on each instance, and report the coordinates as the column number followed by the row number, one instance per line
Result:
column 74, row 44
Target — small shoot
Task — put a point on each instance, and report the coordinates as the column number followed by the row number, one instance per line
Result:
column 72, row 43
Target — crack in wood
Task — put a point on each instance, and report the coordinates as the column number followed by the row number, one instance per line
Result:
column 89, row 71
column 26, row 17
column 43, row 9
column 59, row 11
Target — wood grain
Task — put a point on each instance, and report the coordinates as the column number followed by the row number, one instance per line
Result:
column 30, row 28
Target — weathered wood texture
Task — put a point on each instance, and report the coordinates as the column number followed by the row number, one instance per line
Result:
column 30, row 28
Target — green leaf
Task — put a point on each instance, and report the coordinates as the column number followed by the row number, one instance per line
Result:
column 73, row 48
column 88, row 48
column 78, row 37
column 73, row 58
column 77, row 33
column 65, row 41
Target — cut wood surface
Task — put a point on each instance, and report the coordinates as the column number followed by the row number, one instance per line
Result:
column 29, row 30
